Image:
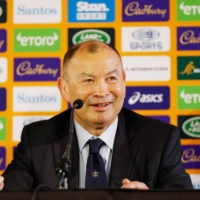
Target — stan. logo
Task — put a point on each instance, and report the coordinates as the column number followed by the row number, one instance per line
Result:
column 191, row 127
column 91, row 11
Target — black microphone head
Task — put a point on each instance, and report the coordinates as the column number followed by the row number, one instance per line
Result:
column 78, row 103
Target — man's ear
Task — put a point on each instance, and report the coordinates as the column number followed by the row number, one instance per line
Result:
column 64, row 89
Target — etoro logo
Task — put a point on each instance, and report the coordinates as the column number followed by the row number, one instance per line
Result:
column 91, row 34
column 2, row 128
column 191, row 127
column 188, row 10
column 37, row 40
column 189, row 97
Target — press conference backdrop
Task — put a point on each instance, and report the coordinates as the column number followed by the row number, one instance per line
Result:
column 159, row 42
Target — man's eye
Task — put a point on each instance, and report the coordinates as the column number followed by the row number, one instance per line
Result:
column 112, row 78
column 88, row 81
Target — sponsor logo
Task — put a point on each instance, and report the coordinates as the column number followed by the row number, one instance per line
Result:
column 188, row 97
column 2, row 128
column 3, row 70
column 36, row 69
column 2, row 158
column 147, row 98
column 80, row 35
column 3, row 11
column 20, row 121
column 147, row 68
column 188, row 10
column 145, row 10
column 189, row 126
column 145, row 39
column 37, row 11
column 3, row 40
column 191, row 156
column 188, row 38
column 2, row 99
column 195, row 180
column 35, row 99
column 36, row 40
column 162, row 118
column 188, row 68
column 91, row 11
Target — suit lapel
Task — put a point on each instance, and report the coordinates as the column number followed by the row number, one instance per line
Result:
column 123, row 154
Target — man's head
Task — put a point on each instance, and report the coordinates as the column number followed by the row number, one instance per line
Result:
column 93, row 72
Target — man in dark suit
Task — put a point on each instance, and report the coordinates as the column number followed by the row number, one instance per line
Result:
column 138, row 152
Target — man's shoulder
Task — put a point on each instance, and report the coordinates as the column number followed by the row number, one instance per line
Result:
column 51, row 128
column 139, row 121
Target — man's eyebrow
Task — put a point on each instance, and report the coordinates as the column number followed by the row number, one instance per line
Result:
column 113, row 72
column 84, row 74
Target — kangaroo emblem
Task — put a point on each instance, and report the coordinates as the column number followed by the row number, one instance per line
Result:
column 188, row 69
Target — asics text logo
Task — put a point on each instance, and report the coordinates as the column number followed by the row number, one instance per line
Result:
column 145, row 98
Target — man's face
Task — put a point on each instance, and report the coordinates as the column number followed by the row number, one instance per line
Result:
column 98, row 80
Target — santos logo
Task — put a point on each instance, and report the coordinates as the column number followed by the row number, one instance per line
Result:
column 37, row 11
column 37, row 40
column 36, row 99
column 147, row 98
column 3, row 70
column 20, row 121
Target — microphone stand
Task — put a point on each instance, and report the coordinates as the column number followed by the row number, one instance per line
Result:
column 64, row 164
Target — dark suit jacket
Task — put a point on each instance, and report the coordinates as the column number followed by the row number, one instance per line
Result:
column 145, row 150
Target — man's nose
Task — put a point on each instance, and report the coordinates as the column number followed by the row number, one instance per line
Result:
column 101, row 89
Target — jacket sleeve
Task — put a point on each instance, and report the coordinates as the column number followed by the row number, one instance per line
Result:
column 19, row 173
column 171, row 171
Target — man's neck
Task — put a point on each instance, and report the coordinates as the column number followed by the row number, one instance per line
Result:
column 94, row 129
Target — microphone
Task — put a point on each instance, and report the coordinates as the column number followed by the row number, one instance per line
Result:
column 64, row 164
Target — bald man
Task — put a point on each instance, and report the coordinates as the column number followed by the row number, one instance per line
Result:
column 137, row 152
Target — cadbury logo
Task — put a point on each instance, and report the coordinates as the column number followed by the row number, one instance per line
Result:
column 1, row 43
column 188, row 37
column 189, row 156
column 133, row 8
column 1, row 161
column 25, row 68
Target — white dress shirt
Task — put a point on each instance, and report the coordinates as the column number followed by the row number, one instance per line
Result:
column 106, row 151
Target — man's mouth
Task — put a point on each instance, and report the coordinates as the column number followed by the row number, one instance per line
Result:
column 101, row 104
